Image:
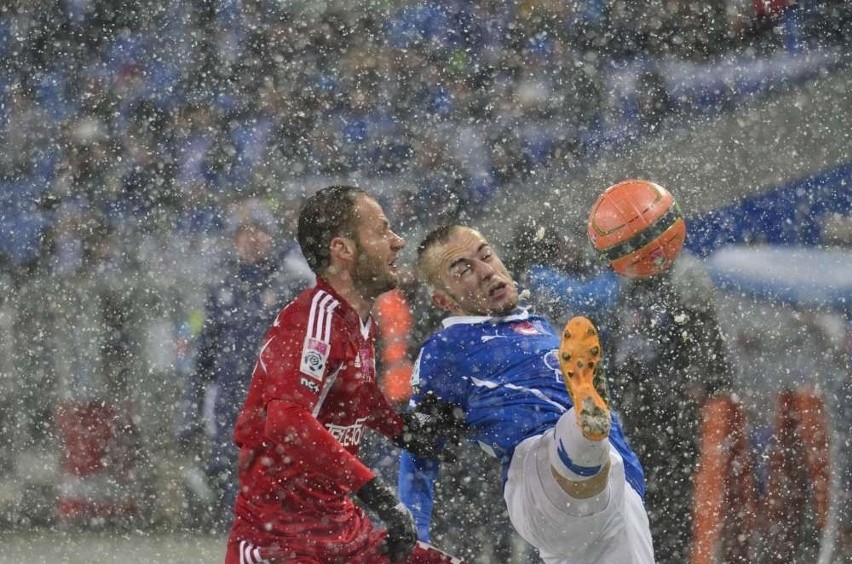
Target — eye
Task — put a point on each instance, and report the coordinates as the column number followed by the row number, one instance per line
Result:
column 461, row 270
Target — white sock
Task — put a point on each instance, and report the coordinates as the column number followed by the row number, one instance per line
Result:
column 573, row 456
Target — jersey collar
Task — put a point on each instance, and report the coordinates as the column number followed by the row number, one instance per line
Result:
column 520, row 314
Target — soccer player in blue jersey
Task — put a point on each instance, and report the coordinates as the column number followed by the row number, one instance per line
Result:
column 535, row 400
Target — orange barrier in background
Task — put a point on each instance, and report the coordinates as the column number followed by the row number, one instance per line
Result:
column 798, row 481
column 724, row 498
column 394, row 321
column 725, row 504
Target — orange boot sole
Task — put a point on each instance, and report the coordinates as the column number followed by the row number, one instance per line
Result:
column 579, row 358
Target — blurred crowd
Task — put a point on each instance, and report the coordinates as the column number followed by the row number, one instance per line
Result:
column 134, row 133
column 161, row 113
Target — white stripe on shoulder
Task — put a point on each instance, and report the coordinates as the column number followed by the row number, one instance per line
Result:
column 326, row 337
column 243, row 552
column 250, row 554
column 319, row 320
column 312, row 315
column 321, row 317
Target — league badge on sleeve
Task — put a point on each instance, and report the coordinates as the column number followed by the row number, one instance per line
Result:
column 314, row 357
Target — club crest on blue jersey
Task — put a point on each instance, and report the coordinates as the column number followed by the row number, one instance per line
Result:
column 526, row 328
column 551, row 360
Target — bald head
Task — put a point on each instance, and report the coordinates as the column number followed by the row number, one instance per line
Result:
column 465, row 275
column 427, row 251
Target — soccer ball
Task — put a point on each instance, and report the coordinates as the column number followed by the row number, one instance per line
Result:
column 637, row 227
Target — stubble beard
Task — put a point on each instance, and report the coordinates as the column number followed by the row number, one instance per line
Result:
column 506, row 309
column 371, row 279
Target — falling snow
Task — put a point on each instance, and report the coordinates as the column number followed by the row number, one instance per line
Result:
column 154, row 157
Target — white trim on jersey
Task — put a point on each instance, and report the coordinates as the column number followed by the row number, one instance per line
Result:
column 326, row 387
column 260, row 354
column 520, row 314
column 250, row 554
column 319, row 318
column 365, row 327
column 488, row 384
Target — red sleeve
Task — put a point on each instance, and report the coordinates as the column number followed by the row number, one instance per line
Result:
column 384, row 419
column 280, row 359
column 290, row 424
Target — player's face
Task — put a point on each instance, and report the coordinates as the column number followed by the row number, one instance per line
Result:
column 471, row 278
column 378, row 249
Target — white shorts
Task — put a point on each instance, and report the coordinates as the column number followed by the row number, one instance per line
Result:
column 538, row 508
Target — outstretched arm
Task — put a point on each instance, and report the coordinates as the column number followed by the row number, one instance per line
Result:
column 292, row 425
column 417, row 477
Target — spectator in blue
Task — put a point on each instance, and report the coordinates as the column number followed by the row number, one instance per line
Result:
column 257, row 282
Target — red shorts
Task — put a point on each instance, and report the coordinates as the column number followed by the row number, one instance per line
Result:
column 242, row 551
column 353, row 540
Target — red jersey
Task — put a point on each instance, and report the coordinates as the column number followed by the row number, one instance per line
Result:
column 313, row 391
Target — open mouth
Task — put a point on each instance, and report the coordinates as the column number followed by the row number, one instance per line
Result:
column 497, row 290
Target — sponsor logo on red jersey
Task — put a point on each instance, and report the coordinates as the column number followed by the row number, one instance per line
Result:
column 348, row 435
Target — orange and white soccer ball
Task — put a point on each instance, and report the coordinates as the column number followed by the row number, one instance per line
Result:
column 637, row 227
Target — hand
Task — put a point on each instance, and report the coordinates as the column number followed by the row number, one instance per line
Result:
column 422, row 436
column 444, row 417
column 432, row 429
column 401, row 534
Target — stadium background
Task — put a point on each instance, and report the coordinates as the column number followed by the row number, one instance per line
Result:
column 130, row 129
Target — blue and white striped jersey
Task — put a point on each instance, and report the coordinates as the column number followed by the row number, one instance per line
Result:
column 504, row 374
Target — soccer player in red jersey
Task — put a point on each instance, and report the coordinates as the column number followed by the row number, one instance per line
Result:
column 313, row 391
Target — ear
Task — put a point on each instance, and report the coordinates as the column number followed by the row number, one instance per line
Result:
column 342, row 249
column 443, row 301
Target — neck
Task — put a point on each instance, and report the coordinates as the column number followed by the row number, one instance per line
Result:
column 354, row 296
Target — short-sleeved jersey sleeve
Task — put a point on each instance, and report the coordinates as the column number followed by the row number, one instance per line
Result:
column 299, row 356
column 307, row 362
column 436, row 371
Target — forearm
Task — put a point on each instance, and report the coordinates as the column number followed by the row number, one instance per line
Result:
column 583, row 295
column 385, row 420
column 292, row 425
column 416, row 487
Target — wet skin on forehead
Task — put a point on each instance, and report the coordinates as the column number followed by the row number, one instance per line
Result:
column 466, row 269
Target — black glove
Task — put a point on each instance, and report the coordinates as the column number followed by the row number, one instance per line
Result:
column 445, row 418
column 431, row 429
column 420, row 437
column 402, row 535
